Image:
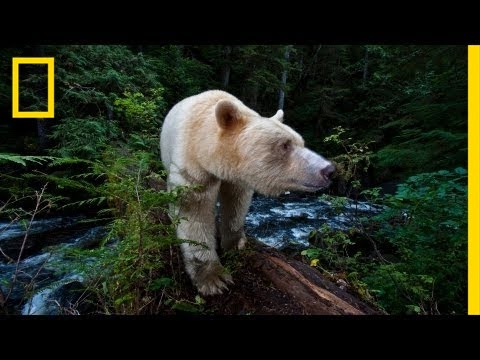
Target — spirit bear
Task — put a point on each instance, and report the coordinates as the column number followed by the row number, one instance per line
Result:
column 213, row 140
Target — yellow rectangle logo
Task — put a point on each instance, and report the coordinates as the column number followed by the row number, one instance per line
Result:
column 16, row 113
column 473, row 179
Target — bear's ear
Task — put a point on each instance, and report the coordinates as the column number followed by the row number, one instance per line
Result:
column 227, row 114
column 278, row 116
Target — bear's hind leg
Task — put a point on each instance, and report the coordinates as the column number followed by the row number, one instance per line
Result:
column 234, row 203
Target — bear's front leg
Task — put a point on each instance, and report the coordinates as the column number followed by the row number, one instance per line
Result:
column 234, row 203
column 198, row 228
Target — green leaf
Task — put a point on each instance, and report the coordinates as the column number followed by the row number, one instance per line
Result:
column 185, row 306
column 199, row 300
column 460, row 171
column 161, row 283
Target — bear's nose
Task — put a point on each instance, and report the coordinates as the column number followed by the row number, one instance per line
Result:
column 328, row 171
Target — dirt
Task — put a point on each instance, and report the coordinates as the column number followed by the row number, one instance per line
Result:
column 253, row 295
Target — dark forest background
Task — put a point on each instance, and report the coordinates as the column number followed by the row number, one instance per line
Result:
column 410, row 102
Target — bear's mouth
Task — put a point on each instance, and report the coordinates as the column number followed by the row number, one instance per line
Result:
column 309, row 187
column 322, row 184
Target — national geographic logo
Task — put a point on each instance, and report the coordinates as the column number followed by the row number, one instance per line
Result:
column 49, row 61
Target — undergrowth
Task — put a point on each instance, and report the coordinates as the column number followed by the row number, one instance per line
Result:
column 411, row 256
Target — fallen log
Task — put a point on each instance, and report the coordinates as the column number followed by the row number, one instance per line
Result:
column 305, row 286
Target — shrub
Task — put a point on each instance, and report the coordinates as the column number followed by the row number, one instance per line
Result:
column 426, row 223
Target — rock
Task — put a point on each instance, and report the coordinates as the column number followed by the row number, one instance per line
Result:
column 342, row 284
column 66, row 297
column 91, row 238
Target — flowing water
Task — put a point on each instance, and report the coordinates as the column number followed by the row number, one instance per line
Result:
column 45, row 275
column 287, row 221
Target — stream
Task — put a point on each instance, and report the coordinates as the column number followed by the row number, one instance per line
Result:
column 45, row 278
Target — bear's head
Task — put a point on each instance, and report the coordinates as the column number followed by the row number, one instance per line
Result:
column 266, row 154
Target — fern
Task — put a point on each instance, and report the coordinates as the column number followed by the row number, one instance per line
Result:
column 23, row 159
column 59, row 161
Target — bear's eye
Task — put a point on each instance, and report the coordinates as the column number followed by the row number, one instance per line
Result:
column 286, row 145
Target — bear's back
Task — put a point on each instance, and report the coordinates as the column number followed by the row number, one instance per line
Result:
column 190, row 118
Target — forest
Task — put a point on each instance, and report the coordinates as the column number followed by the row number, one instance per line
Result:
column 392, row 118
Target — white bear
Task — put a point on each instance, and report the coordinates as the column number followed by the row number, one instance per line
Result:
column 213, row 140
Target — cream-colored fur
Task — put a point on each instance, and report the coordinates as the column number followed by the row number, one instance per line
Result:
column 215, row 141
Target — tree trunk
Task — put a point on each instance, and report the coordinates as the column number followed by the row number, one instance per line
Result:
column 39, row 51
column 254, row 96
column 306, row 71
column 226, row 67
column 253, row 90
column 365, row 67
column 281, row 97
column 41, row 134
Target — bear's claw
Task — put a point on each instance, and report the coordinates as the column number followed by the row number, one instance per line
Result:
column 215, row 284
column 212, row 279
column 241, row 243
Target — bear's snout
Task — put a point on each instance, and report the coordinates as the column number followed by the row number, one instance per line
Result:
column 314, row 170
column 328, row 171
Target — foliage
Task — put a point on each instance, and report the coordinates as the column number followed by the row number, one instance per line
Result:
column 180, row 72
column 90, row 82
column 411, row 101
column 131, row 273
column 73, row 142
column 417, row 261
column 19, row 179
column 24, row 159
column 142, row 117
column 331, row 249
column 352, row 163
column 141, row 112
column 426, row 124
column 426, row 224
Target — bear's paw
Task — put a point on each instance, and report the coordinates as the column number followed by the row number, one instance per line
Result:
column 211, row 278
